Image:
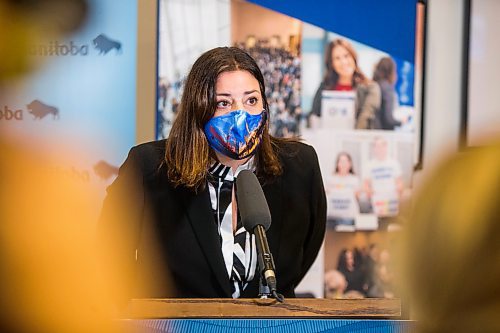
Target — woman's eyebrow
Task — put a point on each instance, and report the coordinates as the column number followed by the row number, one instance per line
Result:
column 245, row 93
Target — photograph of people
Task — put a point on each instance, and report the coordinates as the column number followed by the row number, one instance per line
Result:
column 280, row 66
column 181, row 190
column 342, row 190
column 386, row 76
column 343, row 74
column 350, row 265
column 382, row 179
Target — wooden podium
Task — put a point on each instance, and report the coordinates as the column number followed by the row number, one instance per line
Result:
column 266, row 315
column 264, row 308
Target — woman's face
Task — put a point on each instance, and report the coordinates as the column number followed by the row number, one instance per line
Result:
column 343, row 62
column 238, row 90
column 344, row 165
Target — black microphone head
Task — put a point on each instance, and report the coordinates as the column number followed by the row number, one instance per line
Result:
column 252, row 203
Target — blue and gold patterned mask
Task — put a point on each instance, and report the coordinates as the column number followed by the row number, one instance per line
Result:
column 236, row 134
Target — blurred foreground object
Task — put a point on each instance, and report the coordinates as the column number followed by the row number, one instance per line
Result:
column 55, row 276
column 52, row 279
column 26, row 21
column 453, row 245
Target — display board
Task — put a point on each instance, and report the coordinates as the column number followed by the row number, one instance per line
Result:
column 367, row 133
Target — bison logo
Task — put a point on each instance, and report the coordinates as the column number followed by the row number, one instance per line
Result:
column 39, row 110
column 105, row 170
column 105, row 44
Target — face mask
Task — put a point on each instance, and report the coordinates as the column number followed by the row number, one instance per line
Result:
column 236, row 134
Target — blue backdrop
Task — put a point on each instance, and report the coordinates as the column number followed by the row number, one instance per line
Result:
column 387, row 25
column 84, row 93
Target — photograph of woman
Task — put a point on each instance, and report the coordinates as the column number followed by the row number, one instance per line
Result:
column 350, row 266
column 343, row 74
column 180, row 191
column 342, row 190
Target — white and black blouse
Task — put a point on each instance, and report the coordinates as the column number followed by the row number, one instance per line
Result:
column 238, row 248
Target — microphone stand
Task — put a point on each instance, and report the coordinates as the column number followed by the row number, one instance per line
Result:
column 265, row 292
column 267, row 277
column 256, row 218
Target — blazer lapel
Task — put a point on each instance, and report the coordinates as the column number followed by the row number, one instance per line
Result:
column 200, row 215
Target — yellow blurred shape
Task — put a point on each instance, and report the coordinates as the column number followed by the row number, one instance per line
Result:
column 52, row 277
column 452, row 245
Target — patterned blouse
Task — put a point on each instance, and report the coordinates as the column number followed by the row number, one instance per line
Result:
column 238, row 248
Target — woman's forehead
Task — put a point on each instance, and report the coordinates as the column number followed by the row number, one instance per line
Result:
column 239, row 80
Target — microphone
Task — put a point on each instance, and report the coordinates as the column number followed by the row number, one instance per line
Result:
column 256, row 219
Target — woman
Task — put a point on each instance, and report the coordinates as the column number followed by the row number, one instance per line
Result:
column 342, row 190
column 344, row 175
column 352, row 271
column 385, row 75
column 184, row 194
column 343, row 74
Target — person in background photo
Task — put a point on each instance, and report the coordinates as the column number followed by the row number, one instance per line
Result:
column 343, row 74
column 383, row 277
column 342, row 190
column 382, row 181
column 451, row 247
column 335, row 284
column 353, row 273
column 386, row 76
column 186, row 188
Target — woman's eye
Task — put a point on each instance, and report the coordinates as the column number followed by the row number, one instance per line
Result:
column 252, row 100
column 223, row 104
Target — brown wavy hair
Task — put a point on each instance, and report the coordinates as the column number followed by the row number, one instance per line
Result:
column 331, row 76
column 385, row 70
column 188, row 154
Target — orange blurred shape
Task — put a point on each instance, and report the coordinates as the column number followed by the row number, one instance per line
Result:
column 54, row 278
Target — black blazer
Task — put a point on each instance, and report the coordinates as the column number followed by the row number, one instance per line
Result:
column 175, row 228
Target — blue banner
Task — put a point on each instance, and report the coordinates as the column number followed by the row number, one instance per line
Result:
column 386, row 25
column 270, row 325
